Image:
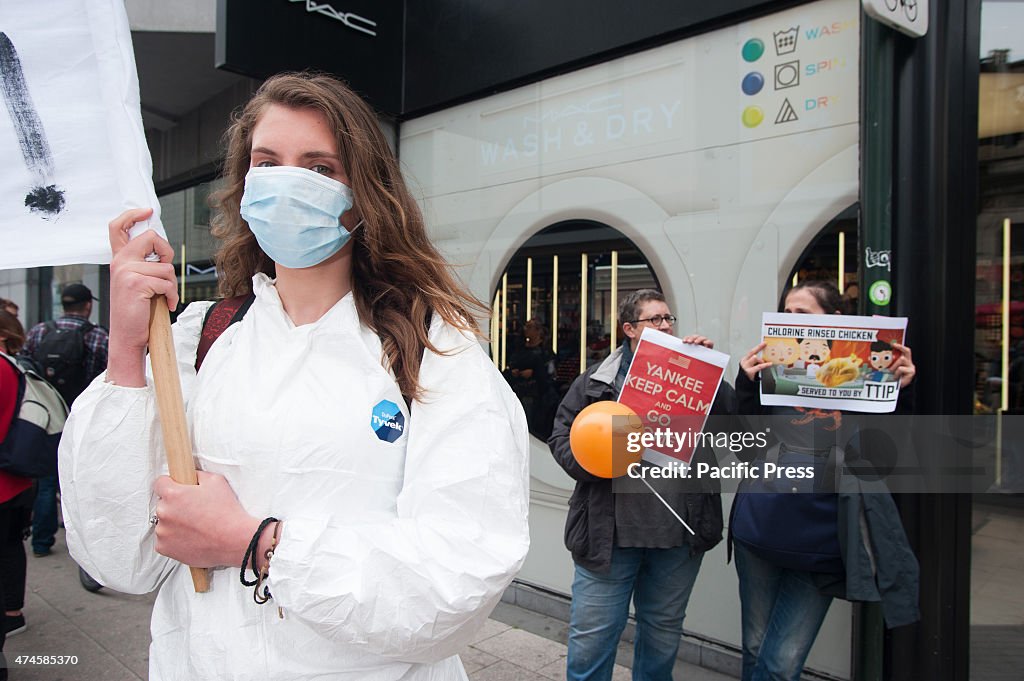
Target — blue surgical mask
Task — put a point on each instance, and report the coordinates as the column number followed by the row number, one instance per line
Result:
column 295, row 214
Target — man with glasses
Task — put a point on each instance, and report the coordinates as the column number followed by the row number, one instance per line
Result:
column 625, row 544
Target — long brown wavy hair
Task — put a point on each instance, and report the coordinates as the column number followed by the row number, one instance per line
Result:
column 399, row 278
column 12, row 333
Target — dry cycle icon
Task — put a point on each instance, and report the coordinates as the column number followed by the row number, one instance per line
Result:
column 787, row 114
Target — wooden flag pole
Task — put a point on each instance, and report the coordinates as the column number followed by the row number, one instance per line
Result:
column 171, row 406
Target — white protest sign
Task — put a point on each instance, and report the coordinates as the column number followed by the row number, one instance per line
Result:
column 831, row 361
column 71, row 134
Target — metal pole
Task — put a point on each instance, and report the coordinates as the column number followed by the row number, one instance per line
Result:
column 878, row 64
column 877, row 78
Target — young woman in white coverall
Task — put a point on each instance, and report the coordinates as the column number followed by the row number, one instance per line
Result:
column 352, row 402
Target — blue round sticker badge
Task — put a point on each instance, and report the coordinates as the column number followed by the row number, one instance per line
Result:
column 387, row 421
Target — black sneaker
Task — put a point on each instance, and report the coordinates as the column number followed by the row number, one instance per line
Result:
column 14, row 624
column 88, row 583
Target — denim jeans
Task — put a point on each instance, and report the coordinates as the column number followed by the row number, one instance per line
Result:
column 659, row 582
column 782, row 611
column 44, row 515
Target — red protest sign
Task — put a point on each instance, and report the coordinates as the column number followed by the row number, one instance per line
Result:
column 671, row 385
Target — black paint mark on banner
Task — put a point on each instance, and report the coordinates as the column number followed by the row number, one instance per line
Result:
column 45, row 198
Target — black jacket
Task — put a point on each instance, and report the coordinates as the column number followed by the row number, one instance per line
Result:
column 590, row 525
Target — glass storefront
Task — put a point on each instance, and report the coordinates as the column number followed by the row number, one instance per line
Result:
column 997, row 594
column 186, row 217
column 712, row 168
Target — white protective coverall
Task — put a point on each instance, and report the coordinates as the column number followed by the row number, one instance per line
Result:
column 392, row 554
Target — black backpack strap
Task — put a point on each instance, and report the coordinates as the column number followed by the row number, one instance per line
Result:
column 219, row 317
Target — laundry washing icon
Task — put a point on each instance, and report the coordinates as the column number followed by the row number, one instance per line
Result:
column 785, row 41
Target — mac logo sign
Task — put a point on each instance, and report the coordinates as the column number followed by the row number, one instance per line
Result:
column 350, row 19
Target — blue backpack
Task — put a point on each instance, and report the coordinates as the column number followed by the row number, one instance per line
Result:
column 30, row 448
column 785, row 521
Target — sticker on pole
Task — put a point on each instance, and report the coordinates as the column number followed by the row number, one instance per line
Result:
column 880, row 292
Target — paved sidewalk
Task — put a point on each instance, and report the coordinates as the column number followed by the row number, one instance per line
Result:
column 109, row 633
column 520, row 645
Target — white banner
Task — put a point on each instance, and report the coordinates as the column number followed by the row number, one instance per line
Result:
column 71, row 136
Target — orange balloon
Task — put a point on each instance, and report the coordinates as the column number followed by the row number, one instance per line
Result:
column 598, row 438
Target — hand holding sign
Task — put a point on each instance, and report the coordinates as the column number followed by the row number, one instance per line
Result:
column 134, row 282
column 752, row 363
column 100, row 173
column 142, row 290
column 904, row 368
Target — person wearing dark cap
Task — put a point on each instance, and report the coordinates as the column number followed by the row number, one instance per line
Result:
column 71, row 351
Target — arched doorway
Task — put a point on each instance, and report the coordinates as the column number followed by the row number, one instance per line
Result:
column 832, row 255
column 555, row 310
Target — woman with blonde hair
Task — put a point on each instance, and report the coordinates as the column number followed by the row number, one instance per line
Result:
column 363, row 463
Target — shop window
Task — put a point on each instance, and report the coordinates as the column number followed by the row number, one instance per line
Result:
column 555, row 310
column 999, row 316
column 997, row 596
column 832, row 256
column 186, row 217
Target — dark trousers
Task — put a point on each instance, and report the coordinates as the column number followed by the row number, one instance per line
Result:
column 15, row 516
column 44, row 515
